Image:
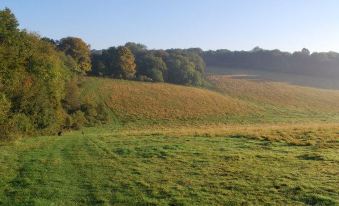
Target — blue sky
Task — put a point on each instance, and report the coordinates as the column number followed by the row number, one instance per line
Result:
column 288, row 25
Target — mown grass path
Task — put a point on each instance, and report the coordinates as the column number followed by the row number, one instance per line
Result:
column 108, row 169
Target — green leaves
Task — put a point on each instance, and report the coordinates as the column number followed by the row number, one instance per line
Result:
column 32, row 79
column 5, row 105
column 79, row 51
column 185, row 68
column 152, row 66
column 175, row 66
column 8, row 26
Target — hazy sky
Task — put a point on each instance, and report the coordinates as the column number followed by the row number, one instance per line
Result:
column 210, row 24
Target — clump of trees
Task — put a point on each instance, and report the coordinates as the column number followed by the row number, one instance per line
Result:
column 323, row 64
column 32, row 75
column 115, row 62
column 39, row 80
column 79, row 51
column 135, row 61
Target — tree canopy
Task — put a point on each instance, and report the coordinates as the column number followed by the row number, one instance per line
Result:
column 78, row 50
column 135, row 61
column 34, row 74
column 323, row 64
column 39, row 82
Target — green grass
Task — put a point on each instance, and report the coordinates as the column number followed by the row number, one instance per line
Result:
column 113, row 169
column 253, row 143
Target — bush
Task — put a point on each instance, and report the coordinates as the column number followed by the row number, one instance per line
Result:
column 71, row 102
column 79, row 120
column 5, row 106
column 68, row 122
column 89, row 109
column 6, row 132
column 22, row 124
column 144, row 78
column 156, row 75
column 103, row 113
column 197, row 79
column 95, row 113
column 16, row 127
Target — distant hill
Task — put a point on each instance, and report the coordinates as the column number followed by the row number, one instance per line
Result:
column 316, row 64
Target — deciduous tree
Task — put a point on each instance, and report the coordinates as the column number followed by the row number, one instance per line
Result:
column 79, row 51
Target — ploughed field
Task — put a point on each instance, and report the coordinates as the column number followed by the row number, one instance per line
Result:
column 242, row 142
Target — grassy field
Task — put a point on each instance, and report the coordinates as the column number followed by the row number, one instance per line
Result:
column 106, row 167
column 245, row 143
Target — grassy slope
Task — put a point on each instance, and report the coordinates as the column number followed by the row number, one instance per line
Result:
column 183, row 162
column 236, row 101
column 138, row 101
column 279, row 95
column 280, row 101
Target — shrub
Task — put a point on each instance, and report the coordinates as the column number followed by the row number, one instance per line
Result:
column 144, row 78
column 16, row 127
column 102, row 113
column 68, row 122
column 5, row 106
column 79, row 120
column 156, row 75
column 22, row 124
column 71, row 102
column 6, row 132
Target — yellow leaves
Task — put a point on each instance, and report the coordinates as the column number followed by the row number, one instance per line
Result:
column 78, row 50
column 126, row 62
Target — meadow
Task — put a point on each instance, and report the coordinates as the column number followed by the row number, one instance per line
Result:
column 128, row 125
column 108, row 167
column 241, row 143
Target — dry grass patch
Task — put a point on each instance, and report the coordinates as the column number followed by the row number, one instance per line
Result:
column 139, row 100
column 297, row 134
column 280, row 95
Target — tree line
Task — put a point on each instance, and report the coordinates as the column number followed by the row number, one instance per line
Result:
column 320, row 64
column 135, row 61
column 40, row 78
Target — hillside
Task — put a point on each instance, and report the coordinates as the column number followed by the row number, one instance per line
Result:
column 130, row 100
column 165, row 124
column 268, row 93
column 232, row 101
